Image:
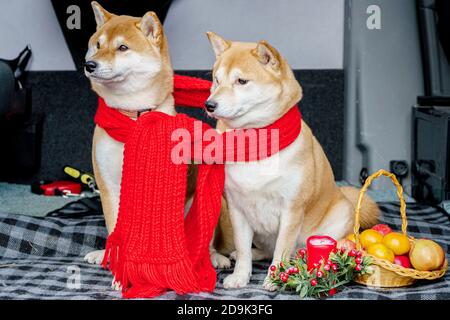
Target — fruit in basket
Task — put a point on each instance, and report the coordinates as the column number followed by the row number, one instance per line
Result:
column 380, row 251
column 426, row 255
column 403, row 261
column 369, row 237
column 382, row 228
column 346, row 244
column 397, row 242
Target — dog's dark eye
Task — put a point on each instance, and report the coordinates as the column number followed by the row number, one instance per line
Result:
column 242, row 81
column 123, row 48
column 98, row 45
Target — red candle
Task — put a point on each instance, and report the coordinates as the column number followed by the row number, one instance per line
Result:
column 319, row 247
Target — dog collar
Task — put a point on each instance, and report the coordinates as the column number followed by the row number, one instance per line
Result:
column 133, row 114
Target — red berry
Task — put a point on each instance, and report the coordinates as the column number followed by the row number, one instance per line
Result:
column 358, row 267
column 285, row 279
column 313, row 282
column 273, row 268
column 358, row 253
column 319, row 274
column 329, row 262
column 327, row 267
column 295, row 270
column 342, row 250
column 281, row 265
column 302, row 252
column 334, row 267
column 282, row 275
column 332, row 292
column 352, row 253
column 358, row 260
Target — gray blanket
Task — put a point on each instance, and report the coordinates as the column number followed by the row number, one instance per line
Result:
column 42, row 258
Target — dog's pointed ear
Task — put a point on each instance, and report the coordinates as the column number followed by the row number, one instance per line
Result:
column 152, row 28
column 267, row 55
column 101, row 15
column 218, row 43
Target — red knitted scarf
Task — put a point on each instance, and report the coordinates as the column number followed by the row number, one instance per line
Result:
column 153, row 248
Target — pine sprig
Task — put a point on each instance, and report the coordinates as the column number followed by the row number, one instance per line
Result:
column 326, row 277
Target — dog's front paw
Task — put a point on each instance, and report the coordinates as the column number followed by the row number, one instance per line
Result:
column 236, row 280
column 95, row 257
column 220, row 261
column 115, row 285
column 269, row 285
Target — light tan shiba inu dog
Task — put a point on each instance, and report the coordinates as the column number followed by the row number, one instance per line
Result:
column 129, row 66
column 275, row 209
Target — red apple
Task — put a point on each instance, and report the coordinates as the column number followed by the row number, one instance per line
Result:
column 402, row 261
column 382, row 228
column 346, row 244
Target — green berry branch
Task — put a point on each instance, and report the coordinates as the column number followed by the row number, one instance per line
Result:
column 325, row 278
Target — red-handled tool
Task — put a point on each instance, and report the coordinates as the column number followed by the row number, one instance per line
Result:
column 56, row 188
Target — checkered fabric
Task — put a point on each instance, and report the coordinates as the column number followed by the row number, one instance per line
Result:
column 42, row 258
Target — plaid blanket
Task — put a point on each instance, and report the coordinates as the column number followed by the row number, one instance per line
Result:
column 42, row 258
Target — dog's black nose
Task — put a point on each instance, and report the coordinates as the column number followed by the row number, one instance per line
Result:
column 210, row 105
column 90, row 66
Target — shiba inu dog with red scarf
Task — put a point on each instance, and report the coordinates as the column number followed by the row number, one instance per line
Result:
column 277, row 202
column 129, row 67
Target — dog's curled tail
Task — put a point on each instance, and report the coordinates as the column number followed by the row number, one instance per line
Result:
column 369, row 213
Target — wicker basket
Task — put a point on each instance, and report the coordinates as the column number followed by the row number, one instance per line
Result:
column 384, row 273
